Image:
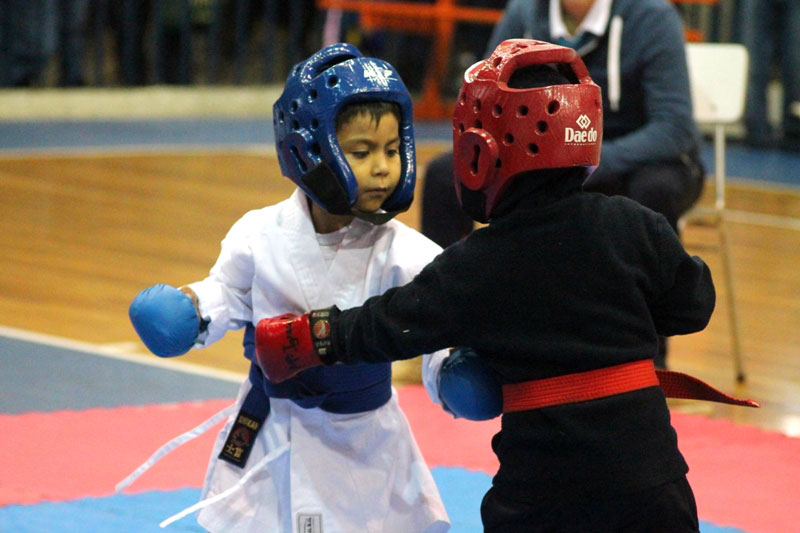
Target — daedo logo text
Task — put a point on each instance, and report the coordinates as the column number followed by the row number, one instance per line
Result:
column 583, row 135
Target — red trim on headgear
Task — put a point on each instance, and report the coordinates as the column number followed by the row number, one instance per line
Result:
column 499, row 132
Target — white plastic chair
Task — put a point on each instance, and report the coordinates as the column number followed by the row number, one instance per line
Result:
column 718, row 80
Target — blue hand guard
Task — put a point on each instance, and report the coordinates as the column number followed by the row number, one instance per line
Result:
column 165, row 319
column 468, row 388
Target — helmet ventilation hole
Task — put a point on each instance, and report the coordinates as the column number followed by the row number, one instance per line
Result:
column 508, row 138
column 476, row 154
column 533, row 148
column 497, row 110
column 314, row 123
column 541, row 126
column 522, row 110
column 552, row 107
column 479, row 124
column 477, row 105
column 333, row 81
column 312, row 95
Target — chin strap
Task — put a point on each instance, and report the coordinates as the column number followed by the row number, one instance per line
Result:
column 378, row 217
column 604, row 382
column 322, row 181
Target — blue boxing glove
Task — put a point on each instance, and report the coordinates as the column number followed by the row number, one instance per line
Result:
column 468, row 387
column 165, row 319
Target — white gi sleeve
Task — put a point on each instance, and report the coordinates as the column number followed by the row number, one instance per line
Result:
column 225, row 296
column 431, row 365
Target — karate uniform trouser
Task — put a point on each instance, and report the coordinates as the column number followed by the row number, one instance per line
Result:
column 667, row 508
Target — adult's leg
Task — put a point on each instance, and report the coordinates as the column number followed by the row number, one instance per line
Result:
column 29, row 39
column 758, row 35
column 443, row 220
column 73, row 14
column 132, row 16
column 790, row 67
column 667, row 188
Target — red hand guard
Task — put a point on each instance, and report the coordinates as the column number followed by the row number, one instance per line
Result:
column 288, row 344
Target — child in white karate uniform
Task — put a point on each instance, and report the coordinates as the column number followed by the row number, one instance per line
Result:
column 329, row 451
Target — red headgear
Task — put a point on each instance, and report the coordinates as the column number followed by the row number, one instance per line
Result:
column 499, row 132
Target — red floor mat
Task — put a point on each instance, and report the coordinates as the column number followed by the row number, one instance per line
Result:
column 743, row 477
column 66, row 455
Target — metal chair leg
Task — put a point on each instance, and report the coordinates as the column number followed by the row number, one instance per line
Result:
column 733, row 318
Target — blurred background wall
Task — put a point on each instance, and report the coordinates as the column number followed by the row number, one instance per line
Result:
column 221, row 43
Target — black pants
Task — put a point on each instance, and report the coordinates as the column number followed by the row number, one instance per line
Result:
column 666, row 188
column 668, row 508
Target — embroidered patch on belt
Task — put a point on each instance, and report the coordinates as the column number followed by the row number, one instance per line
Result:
column 309, row 523
column 240, row 439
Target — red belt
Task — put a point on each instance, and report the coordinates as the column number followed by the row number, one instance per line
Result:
column 603, row 382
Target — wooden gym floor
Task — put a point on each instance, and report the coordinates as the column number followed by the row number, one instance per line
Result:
column 81, row 235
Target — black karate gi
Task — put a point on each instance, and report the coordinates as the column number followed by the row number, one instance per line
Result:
column 563, row 281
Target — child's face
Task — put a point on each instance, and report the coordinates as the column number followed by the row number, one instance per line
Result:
column 373, row 152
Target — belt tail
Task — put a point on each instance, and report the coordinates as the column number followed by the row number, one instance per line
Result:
column 680, row 385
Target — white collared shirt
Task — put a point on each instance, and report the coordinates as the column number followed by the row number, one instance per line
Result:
column 594, row 22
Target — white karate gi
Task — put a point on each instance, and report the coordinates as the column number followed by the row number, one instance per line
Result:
column 348, row 473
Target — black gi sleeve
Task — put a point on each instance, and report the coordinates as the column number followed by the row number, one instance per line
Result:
column 402, row 323
column 687, row 296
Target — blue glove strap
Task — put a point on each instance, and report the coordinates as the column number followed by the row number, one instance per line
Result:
column 468, row 387
column 165, row 319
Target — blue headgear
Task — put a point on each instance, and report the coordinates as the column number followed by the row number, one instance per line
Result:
column 304, row 118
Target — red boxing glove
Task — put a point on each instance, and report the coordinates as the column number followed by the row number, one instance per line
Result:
column 288, row 344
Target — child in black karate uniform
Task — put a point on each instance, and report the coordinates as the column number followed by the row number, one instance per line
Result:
column 563, row 296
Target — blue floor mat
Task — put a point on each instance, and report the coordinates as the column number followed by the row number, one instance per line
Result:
column 138, row 513
column 461, row 491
